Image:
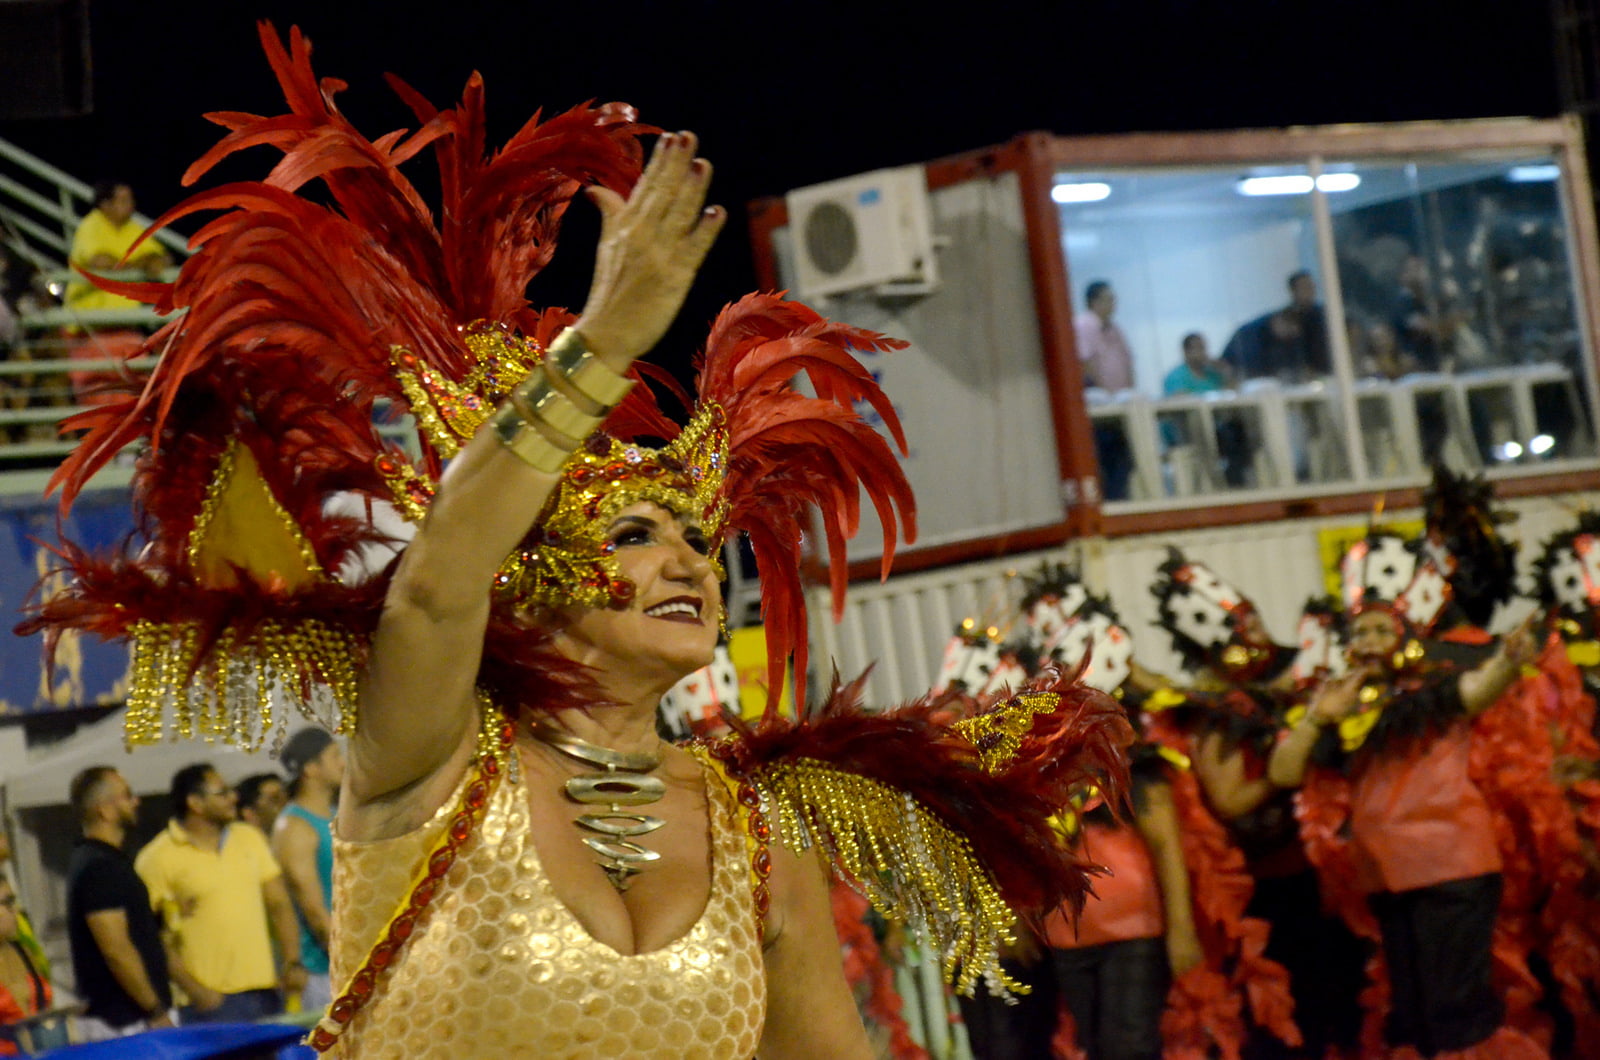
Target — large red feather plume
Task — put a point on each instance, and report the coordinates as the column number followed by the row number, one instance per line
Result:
column 285, row 318
column 790, row 454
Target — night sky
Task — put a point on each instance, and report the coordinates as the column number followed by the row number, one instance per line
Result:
column 786, row 94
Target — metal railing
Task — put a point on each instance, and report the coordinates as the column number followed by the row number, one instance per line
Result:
column 40, row 207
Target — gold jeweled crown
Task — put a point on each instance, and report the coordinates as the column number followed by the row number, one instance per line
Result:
column 567, row 559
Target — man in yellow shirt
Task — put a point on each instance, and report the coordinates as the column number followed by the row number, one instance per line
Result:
column 222, row 900
column 103, row 237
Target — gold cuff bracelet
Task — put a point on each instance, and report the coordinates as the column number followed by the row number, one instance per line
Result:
column 526, row 442
column 537, row 399
column 570, row 358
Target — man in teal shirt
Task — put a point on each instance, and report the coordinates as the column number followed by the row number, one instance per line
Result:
column 302, row 839
column 1198, row 373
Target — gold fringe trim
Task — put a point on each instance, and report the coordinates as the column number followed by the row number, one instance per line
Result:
column 239, row 691
column 906, row 861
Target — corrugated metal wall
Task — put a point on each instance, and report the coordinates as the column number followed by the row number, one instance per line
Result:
column 900, row 627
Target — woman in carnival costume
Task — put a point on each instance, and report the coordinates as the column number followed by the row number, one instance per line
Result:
column 1547, row 935
column 1226, row 723
column 1163, row 961
column 523, row 868
column 1404, row 842
column 1559, row 720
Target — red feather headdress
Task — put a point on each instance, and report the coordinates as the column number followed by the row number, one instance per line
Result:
column 305, row 328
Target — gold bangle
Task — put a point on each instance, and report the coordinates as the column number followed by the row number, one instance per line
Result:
column 525, row 442
column 570, row 358
column 537, row 399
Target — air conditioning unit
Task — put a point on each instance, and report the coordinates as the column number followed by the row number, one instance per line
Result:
column 866, row 231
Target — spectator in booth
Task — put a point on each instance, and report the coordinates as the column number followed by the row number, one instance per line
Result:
column 117, row 955
column 1290, row 343
column 223, row 904
column 261, row 798
column 24, row 987
column 23, row 291
column 1415, row 324
column 1107, row 364
column 303, row 843
column 1198, row 373
column 1384, row 358
column 11, row 279
column 1465, row 349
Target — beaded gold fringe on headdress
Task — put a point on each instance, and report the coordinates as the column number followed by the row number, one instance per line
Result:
column 246, row 689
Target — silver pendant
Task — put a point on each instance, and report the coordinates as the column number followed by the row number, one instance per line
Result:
column 620, row 857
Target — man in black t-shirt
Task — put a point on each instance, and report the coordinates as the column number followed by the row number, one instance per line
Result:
column 117, row 953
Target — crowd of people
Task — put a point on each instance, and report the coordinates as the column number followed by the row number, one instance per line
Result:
column 222, row 916
column 1377, row 840
column 1423, row 328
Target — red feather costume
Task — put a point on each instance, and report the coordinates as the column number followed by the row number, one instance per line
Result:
column 305, row 327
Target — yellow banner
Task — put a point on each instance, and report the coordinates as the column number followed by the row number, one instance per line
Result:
column 1334, row 541
column 747, row 648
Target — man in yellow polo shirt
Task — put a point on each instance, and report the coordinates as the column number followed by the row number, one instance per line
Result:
column 103, row 237
column 222, row 900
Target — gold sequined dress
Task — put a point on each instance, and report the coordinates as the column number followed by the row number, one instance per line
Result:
column 501, row 968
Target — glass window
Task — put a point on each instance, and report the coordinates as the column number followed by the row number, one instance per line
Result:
column 1201, row 328
column 1214, row 365
column 1461, row 315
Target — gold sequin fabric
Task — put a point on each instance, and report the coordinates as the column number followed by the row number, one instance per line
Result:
column 500, row 968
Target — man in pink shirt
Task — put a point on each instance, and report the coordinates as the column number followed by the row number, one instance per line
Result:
column 1102, row 347
column 1108, row 364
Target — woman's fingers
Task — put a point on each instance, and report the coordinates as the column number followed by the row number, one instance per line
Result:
column 704, row 233
column 608, row 202
column 683, row 209
column 645, row 200
column 667, row 178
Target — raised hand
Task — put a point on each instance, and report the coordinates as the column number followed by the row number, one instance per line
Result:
column 1339, row 697
column 1521, row 647
column 651, row 247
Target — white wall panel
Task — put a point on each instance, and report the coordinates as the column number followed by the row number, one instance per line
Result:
column 902, row 625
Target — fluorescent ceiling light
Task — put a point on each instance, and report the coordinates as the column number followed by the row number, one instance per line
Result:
column 1541, row 444
column 1297, row 184
column 1092, row 191
column 1533, row 174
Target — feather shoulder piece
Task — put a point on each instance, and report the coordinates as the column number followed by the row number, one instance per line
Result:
column 945, row 826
